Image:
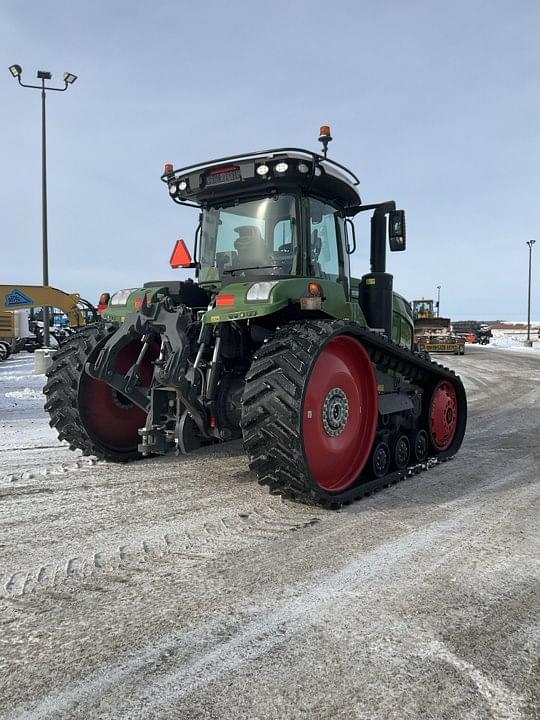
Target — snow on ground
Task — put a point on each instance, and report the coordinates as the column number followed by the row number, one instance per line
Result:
column 179, row 588
column 507, row 342
column 24, row 421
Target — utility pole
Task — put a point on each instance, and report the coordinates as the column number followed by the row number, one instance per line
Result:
column 530, row 243
column 69, row 79
column 438, row 300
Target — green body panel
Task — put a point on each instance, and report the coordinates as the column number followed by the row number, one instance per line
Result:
column 402, row 322
column 118, row 311
column 284, row 293
column 402, row 318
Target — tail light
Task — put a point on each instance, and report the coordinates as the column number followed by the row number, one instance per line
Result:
column 103, row 302
column 225, row 299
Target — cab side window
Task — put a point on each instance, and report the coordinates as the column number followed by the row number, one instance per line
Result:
column 406, row 335
column 324, row 254
column 401, row 331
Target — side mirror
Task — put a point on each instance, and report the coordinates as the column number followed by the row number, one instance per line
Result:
column 396, row 230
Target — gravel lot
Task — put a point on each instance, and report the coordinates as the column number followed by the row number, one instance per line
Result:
column 177, row 588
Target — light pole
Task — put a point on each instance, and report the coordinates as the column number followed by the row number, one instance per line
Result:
column 438, row 300
column 69, row 79
column 530, row 243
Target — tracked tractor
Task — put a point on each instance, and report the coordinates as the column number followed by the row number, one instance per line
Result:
column 274, row 344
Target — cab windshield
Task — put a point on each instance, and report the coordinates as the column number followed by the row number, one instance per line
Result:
column 250, row 239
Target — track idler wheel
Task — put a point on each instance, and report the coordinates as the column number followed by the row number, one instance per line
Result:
column 443, row 416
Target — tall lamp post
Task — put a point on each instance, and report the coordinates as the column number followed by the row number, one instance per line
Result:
column 438, row 300
column 69, row 79
column 530, row 243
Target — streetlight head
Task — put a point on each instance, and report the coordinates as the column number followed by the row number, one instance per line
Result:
column 15, row 70
column 44, row 75
column 530, row 243
column 69, row 78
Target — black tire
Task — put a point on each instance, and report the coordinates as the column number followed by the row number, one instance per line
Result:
column 63, row 401
column 420, row 445
column 380, row 460
column 5, row 351
column 402, row 452
column 273, row 412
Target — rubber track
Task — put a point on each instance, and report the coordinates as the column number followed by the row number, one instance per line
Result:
column 271, row 414
column 61, row 391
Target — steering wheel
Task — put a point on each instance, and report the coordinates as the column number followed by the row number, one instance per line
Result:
column 285, row 249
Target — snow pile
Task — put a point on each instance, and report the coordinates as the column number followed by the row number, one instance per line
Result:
column 512, row 343
column 514, row 340
column 23, row 420
column 504, row 341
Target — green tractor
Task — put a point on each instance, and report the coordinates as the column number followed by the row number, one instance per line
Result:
column 275, row 343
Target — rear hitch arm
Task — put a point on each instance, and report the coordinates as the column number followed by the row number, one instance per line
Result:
column 169, row 322
column 161, row 318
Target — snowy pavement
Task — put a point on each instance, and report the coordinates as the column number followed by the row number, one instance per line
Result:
column 23, row 422
column 178, row 588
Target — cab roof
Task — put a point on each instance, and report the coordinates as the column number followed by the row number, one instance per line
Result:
column 265, row 172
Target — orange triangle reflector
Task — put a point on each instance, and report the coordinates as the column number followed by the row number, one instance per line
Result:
column 181, row 256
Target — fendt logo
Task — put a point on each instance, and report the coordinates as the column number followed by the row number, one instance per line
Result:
column 17, row 297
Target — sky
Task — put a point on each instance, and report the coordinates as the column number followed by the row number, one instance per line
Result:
column 435, row 105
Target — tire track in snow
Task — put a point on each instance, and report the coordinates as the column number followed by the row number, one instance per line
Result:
column 200, row 545
column 213, row 650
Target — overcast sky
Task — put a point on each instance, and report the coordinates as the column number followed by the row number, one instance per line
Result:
column 433, row 104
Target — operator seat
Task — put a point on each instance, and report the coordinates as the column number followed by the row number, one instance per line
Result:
column 249, row 245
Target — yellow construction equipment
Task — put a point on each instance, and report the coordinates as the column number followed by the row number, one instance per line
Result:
column 17, row 297
column 7, row 324
column 432, row 334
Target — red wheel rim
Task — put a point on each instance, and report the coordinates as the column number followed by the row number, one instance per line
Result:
column 339, row 416
column 443, row 415
column 110, row 419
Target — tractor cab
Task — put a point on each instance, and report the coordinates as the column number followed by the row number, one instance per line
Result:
column 274, row 237
column 280, row 216
column 423, row 309
column 269, row 215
